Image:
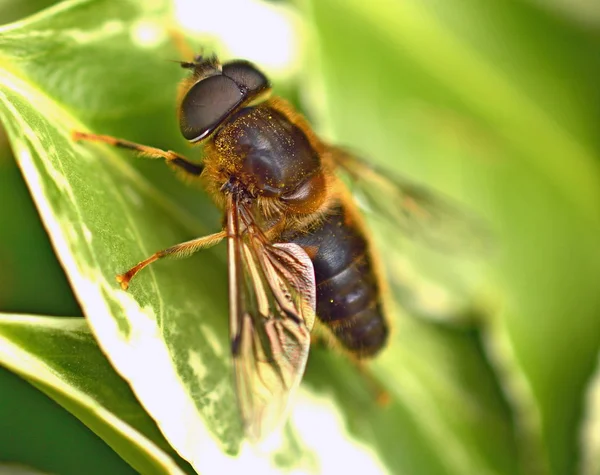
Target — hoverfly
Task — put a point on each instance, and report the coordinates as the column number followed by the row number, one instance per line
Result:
column 298, row 253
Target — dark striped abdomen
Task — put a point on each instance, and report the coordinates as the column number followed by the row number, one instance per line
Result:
column 348, row 294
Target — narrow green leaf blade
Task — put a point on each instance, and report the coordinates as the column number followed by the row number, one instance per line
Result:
column 60, row 357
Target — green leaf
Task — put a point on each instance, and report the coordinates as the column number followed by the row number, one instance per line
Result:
column 447, row 414
column 60, row 357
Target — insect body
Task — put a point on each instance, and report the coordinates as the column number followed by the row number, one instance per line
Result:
column 271, row 154
column 296, row 246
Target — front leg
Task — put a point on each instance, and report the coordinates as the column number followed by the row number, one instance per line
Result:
column 172, row 158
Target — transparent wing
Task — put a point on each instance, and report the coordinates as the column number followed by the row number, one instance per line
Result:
column 416, row 211
column 273, row 296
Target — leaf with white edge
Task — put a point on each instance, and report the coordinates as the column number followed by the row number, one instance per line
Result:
column 590, row 429
column 446, row 413
column 167, row 335
column 60, row 357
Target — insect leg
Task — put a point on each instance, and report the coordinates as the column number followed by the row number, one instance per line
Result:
column 184, row 249
column 322, row 336
column 171, row 157
column 375, row 386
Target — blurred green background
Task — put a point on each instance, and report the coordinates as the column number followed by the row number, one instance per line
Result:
column 496, row 104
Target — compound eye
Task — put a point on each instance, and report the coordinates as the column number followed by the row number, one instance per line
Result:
column 246, row 76
column 206, row 105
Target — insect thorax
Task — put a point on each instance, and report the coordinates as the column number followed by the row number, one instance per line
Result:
column 269, row 152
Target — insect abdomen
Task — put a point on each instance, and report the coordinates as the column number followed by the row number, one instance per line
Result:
column 348, row 294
